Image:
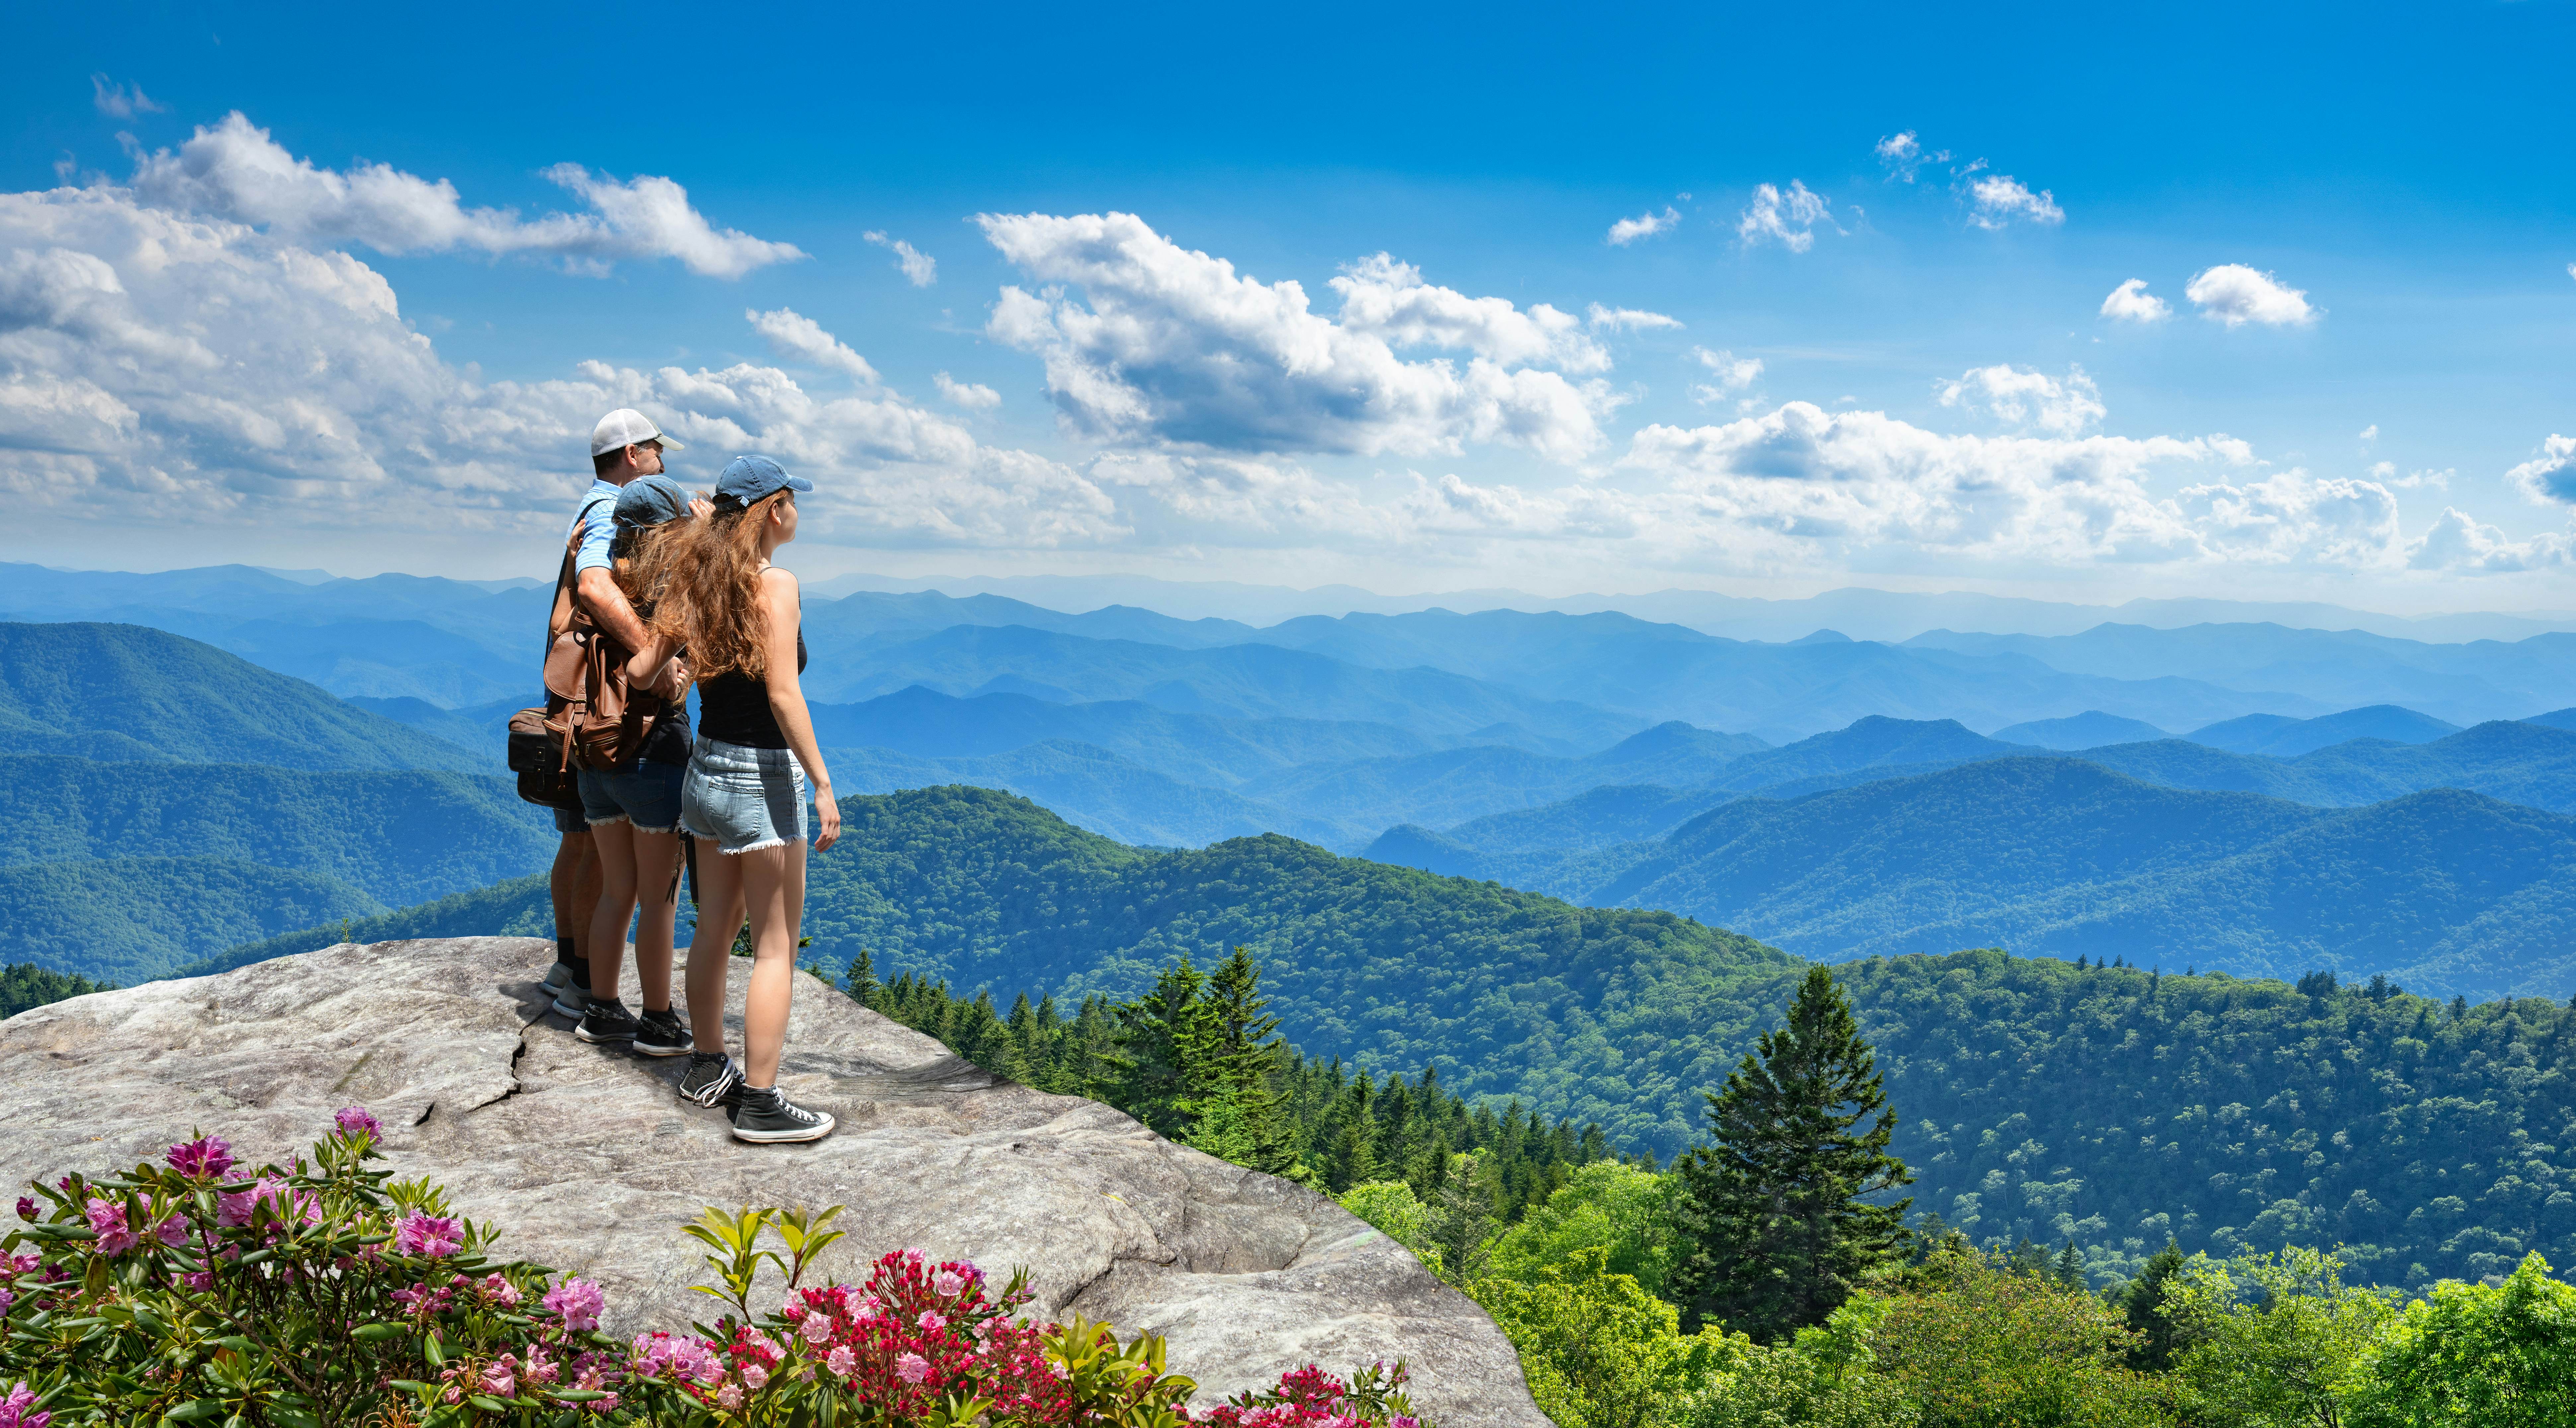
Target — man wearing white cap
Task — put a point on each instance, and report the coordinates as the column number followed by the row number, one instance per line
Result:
column 625, row 445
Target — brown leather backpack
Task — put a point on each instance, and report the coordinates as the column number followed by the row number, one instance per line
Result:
column 591, row 718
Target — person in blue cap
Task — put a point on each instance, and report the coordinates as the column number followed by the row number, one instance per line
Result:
column 634, row 812
column 750, row 774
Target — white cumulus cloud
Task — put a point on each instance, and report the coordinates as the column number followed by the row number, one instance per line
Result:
column 2131, row 302
column 2235, row 294
column 311, row 405
column 1167, row 344
column 2550, row 477
column 973, row 395
column 2457, row 541
column 1998, row 199
column 919, row 268
column 2027, row 398
column 1789, row 219
column 1644, row 225
column 235, row 171
column 799, row 338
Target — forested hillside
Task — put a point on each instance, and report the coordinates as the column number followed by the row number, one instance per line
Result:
column 123, row 692
column 2450, row 890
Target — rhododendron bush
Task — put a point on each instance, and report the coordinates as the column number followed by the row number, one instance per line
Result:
column 324, row 1292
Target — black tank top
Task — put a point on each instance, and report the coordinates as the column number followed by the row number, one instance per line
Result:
column 733, row 708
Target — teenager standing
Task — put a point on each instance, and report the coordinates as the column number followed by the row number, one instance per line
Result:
column 750, row 773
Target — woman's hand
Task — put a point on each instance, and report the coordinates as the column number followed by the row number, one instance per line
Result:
column 673, row 685
column 827, row 818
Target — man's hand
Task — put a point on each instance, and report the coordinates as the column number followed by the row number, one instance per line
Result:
column 700, row 508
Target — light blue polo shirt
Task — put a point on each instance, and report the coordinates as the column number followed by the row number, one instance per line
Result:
column 597, row 523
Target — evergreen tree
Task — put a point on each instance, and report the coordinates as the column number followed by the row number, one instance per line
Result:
column 2143, row 1305
column 1148, row 1070
column 863, row 985
column 1773, row 1202
column 1230, row 1052
column 2070, row 1265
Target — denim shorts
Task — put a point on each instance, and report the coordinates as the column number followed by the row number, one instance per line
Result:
column 743, row 799
column 649, row 797
column 570, row 820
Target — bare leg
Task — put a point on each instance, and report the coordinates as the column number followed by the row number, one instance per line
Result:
column 719, row 917
column 615, row 843
column 774, row 897
column 585, row 893
column 657, row 856
column 569, row 853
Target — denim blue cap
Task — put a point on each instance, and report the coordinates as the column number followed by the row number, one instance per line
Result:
column 650, row 501
column 748, row 478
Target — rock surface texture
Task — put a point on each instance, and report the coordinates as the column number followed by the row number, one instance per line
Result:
column 589, row 1163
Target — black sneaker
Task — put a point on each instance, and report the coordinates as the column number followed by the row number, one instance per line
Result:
column 607, row 1023
column 712, row 1080
column 661, row 1033
column 767, row 1116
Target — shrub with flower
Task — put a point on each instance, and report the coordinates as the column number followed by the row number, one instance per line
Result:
column 322, row 1294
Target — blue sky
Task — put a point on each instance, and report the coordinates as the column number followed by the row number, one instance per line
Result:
column 2377, row 197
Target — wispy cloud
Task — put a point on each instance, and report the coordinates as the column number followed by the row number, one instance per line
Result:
column 1788, row 219
column 919, row 268
column 2000, row 199
column 2131, row 302
column 117, row 101
column 799, row 338
column 1645, row 225
column 973, row 395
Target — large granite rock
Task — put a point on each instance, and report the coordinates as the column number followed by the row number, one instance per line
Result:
column 590, row 1164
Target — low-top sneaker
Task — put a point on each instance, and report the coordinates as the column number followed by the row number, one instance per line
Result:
column 712, row 1080
column 573, row 998
column 606, row 1023
column 559, row 975
column 767, row 1116
column 661, row 1033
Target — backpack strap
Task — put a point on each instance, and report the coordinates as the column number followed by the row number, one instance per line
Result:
column 566, row 607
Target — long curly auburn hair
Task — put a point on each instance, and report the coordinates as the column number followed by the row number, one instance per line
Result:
column 710, row 596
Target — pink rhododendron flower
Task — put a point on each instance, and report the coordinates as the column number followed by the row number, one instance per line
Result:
column 815, row 1329
column 500, row 1291
column 946, row 1283
column 840, row 1361
column 754, row 1376
column 27, row 1208
column 201, row 1281
column 911, row 1368
column 354, row 1120
column 236, row 1210
column 173, row 1232
column 578, row 1302
column 538, row 1370
column 108, row 1219
column 500, row 1380
column 436, row 1236
column 932, row 1320
column 16, row 1409
column 730, row 1396
column 6, row 1299
column 204, row 1158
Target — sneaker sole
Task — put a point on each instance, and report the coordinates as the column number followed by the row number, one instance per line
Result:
column 584, row 1034
column 565, row 1006
column 776, row 1137
column 648, row 1048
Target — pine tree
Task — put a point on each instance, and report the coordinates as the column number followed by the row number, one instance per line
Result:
column 1774, row 1206
column 2070, row 1266
column 1147, row 1071
column 2141, row 1303
column 1230, row 1054
column 863, row 985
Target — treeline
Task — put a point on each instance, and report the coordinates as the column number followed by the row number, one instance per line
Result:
column 24, row 985
column 1198, row 1058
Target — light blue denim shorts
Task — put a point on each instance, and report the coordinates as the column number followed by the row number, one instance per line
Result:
column 743, row 799
column 647, row 796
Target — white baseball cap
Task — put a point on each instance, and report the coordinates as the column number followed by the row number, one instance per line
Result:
column 626, row 427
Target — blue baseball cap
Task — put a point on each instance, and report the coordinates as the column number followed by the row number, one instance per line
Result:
column 749, row 478
column 650, row 501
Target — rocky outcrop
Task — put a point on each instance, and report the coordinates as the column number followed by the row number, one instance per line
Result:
column 589, row 1163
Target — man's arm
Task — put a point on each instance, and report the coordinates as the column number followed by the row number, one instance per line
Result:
column 606, row 605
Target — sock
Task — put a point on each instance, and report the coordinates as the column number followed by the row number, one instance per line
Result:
column 564, row 952
column 581, row 975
